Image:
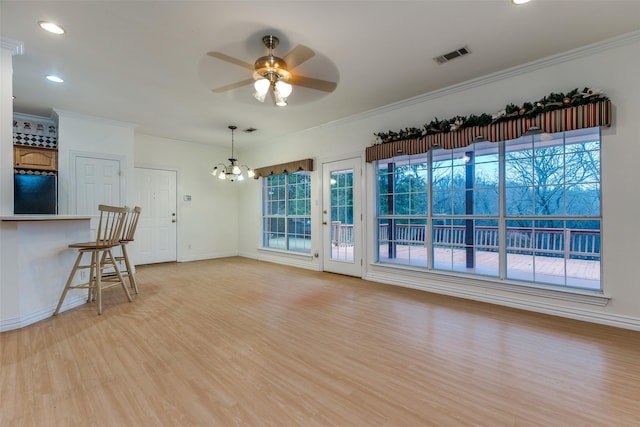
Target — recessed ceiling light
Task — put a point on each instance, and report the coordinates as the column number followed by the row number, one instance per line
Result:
column 520, row 1
column 53, row 78
column 51, row 27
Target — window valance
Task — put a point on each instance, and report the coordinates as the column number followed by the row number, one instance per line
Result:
column 296, row 166
column 566, row 119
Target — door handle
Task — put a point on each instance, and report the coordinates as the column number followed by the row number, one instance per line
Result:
column 324, row 222
column 173, row 220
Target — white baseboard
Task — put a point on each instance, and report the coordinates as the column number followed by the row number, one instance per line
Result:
column 305, row 262
column 70, row 302
column 514, row 301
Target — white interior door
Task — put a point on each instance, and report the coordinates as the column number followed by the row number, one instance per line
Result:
column 156, row 235
column 342, row 217
column 97, row 181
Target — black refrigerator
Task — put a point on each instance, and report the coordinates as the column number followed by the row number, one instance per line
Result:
column 35, row 194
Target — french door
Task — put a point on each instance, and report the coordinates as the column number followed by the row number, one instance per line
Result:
column 342, row 217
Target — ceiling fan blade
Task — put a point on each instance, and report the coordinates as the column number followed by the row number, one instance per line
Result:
column 297, row 56
column 232, row 86
column 230, row 59
column 311, row 83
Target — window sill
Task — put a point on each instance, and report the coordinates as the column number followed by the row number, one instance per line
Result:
column 442, row 279
column 286, row 253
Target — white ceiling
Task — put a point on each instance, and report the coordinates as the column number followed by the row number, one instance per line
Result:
column 145, row 62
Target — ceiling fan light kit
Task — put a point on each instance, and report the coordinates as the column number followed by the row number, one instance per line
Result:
column 272, row 74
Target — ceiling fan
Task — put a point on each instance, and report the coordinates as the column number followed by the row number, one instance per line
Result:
column 273, row 74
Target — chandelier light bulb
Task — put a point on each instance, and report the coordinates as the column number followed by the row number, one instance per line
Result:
column 222, row 175
column 251, row 173
column 236, row 170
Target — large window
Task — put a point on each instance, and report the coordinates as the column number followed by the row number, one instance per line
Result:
column 525, row 209
column 286, row 212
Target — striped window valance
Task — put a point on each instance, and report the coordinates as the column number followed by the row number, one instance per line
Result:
column 572, row 118
column 297, row 166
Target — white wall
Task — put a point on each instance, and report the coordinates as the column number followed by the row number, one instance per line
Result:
column 208, row 224
column 9, row 293
column 612, row 66
column 79, row 133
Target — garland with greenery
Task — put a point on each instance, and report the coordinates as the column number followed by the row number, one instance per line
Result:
column 551, row 102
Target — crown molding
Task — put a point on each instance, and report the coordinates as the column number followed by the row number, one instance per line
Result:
column 15, row 46
column 70, row 114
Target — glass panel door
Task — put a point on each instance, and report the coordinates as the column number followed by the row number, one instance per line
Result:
column 341, row 217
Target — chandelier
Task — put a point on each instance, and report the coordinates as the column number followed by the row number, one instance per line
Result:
column 271, row 73
column 232, row 172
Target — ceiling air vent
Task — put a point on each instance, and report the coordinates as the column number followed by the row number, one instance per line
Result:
column 452, row 55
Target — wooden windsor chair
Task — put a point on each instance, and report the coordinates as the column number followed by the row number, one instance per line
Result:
column 108, row 235
column 128, row 235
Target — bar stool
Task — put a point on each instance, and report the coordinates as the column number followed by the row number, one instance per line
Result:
column 128, row 234
column 108, row 234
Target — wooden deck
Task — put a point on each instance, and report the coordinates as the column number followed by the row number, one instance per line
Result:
column 583, row 274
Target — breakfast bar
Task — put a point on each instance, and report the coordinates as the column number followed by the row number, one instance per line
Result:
column 35, row 262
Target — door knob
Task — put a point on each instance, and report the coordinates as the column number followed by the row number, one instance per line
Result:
column 173, row 220
column 324, row 222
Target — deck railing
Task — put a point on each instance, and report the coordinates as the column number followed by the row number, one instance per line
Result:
column 582, row 243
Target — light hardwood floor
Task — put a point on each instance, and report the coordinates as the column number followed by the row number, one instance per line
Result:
column 279, row 346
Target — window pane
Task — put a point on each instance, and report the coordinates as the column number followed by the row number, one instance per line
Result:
column 583, row 265
column 486, row 175
column 583, row 200
column 519, row 201
column 549, row 200
column 443, row 238
column 486, row 202
column 486, row 243
column 519, row 250
column 549, row 170
column 442, row 202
